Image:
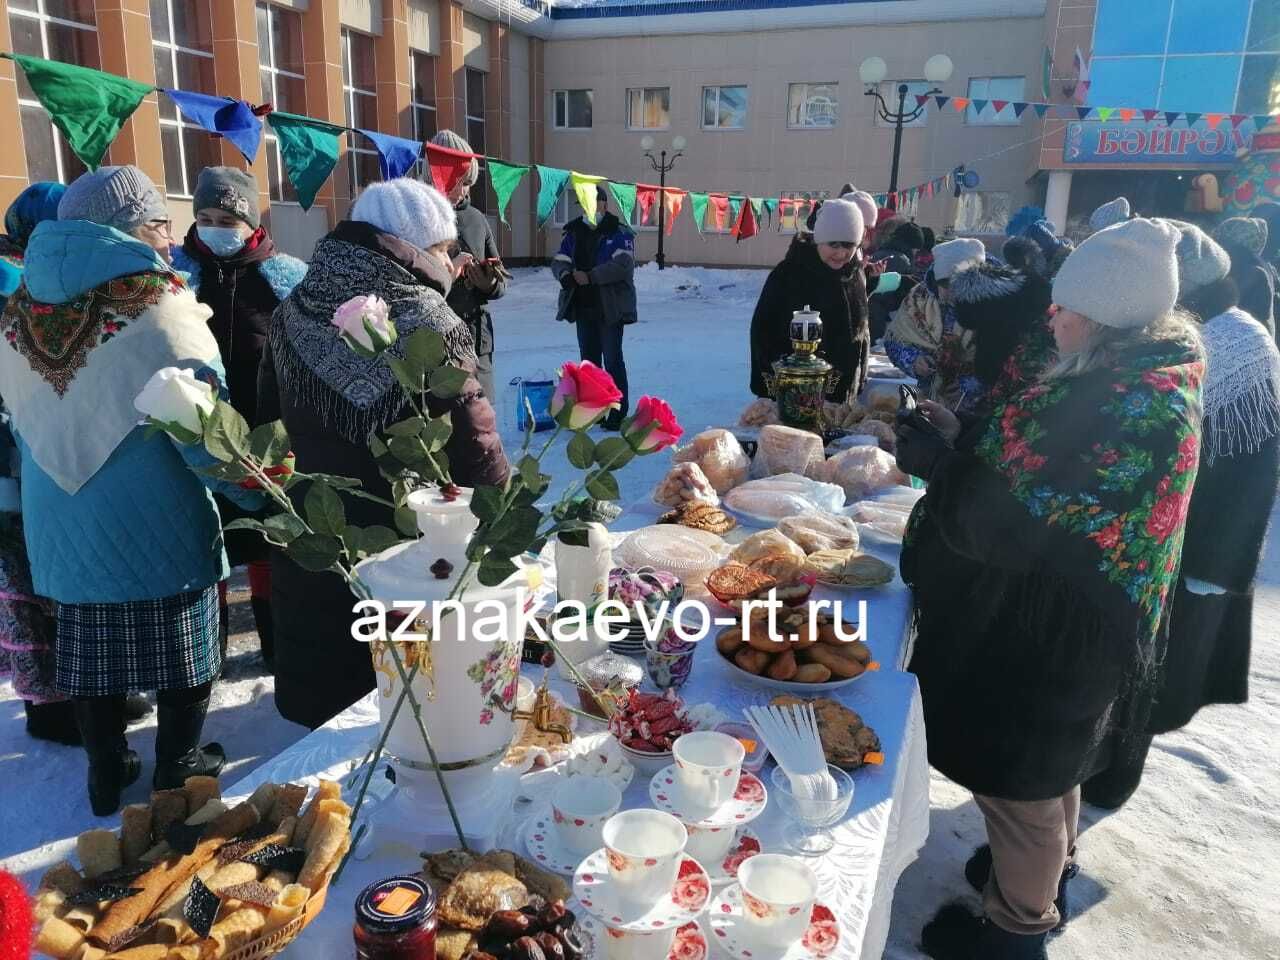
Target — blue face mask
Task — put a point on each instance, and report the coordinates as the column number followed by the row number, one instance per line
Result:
column 223, row 241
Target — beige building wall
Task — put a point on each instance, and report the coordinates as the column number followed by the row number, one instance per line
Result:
column 519, row 211
column 767, row 158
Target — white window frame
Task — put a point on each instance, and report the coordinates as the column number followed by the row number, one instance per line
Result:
column 642, row 91
column 483, row 182
column 555, row 97
column 44, row 19
column 889, row 90
column 273, row 142
column 177, row 121
column 717, row 87
column 349, row 93
column 813, row 126
column 989, row 118
column 416, row 105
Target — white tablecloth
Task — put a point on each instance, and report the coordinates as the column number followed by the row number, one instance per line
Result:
column 887, row 825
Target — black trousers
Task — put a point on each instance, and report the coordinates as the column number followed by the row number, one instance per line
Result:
column 601, row 342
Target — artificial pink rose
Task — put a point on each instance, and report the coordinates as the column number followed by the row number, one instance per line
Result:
column 654, row 426
column 364, row 323
column 584, row 394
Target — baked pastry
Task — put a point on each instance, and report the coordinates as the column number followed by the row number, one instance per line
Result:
column 485, row 886
column 700, row 516
column 766, row 543
column 683, row 482
column 719, row 455
column 735, row 581
column 782, row 567
column 820, row 531
column 849, row 569
column 453, row 943
column 541, row 883
column 758, row 413
column 788, row 450
column 847, row 742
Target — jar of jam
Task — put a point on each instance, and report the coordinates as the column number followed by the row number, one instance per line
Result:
column 396, row 920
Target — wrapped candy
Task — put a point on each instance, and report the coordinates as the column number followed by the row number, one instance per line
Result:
column 684, row 482
column 759, row 413
column 788, row 450
column 720, row 456
column 861, row 471
column 820, row 531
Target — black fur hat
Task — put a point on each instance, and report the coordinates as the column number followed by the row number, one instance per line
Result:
column 998, row 304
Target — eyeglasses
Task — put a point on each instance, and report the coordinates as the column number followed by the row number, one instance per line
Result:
column 842, row 244
column 160, row 226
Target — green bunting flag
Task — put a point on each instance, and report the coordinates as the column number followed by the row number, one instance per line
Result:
column 551, row 181
column 770, row 207
column 505, row 177
column 699, row 201
column 309, row 149
column 87, row 105
column 735, row 207
column 624, row 195
column 584, row 187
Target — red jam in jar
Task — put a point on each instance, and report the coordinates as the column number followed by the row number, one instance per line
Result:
column 396, row 920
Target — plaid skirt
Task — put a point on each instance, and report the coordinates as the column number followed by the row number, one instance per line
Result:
column 115, row 648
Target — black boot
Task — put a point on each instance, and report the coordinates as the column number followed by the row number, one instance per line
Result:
column 136, row 707
column 178, row 754
column 978, row 869
column 266, row 627
column 956, row 934
column 55, row 722
column 112, row 765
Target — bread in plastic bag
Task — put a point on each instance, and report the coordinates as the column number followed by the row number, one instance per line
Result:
column 767, row 543
column 720, row 456
column 685, row 482
column 861, row 471
column 886, row 439
column 758, row 413
column 887, row 520
column 788, row 450
column 772, row 498
column 820, row 531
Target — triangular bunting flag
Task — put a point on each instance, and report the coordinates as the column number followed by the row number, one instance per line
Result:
column 921, row 99
column 674, row 201
column 699, row 209
column 941, row 101
column 1193, row 119
column 1126, row 113
column 769, row 206
column 719, row 211
column 999, row 105
column 646, row 197
column 1213, row 119
column 551, row 181
column 624, row 195
column 504, row 178
column 584, row 186
column 1104, row 113
column 979, row 105
column 396, row 155
column 745, row 226
column 1149, row 115
column 87, row 105
column 1041, row 109
column 1237, row 119
column 1083, row 112
column 1261, row 120
column 881, row 199
column 757, row 205
column 735, row 207
column 960, row 103
column 1171, row 116
column 309, row 149
column 447, row 166
column 1019, row 108
column 222, row 117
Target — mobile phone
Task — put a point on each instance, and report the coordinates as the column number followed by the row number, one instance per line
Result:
column 909, row 411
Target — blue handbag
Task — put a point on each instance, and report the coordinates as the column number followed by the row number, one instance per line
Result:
column 533, row 401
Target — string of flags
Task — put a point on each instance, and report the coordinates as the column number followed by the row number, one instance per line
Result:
column 90, row 106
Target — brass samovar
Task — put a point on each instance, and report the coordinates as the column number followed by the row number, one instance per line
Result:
column 801, row 380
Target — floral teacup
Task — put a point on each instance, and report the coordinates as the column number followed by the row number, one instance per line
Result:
column 708, row 766
column 580, row 807
column 644, row 849
column 669, row 662
column 778, row 894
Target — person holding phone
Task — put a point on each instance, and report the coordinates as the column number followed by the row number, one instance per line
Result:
column 480, row 274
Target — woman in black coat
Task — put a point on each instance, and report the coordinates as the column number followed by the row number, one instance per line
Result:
column 821, row 271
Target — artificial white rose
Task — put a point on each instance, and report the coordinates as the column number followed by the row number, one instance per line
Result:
column 174, row 397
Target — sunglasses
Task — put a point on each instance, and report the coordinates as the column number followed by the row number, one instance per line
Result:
column 842, row 244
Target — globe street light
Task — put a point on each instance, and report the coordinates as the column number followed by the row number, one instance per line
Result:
column 662, row 165
column 872, row 71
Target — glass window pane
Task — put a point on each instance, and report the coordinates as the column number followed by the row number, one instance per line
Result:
column 26, row 40
column 72, row 45
column 263, row 17
column 580, row 102
column 1191, row 82
column 23, row 5
column 286, row 37
column 37, row 138
column 424, row 78
column 475, row 93
column 813, row 105
column 195, row 72
column 81, row 11
column 366, row 112
column 202, row 151
column 1208, row 26
column 733, row 107
column 164, row 78
column 191, row 25
column 362, row 170
column 362, row 69
column 291, row 94
column 273, row 171
column 633, row 109
column 265, row 95
column 1125, row 27
column 1126, row 82
column 160, row 20
column 1260, row 85
column 710, row 95
column 346, row 58
column 172, row 159
column 1264, row 30
column 561, row 118
column 424, row 123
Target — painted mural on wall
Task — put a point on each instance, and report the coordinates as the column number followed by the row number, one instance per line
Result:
column 1256, row 178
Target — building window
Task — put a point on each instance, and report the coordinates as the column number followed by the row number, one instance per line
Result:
column 811, row 105
column 915, row 88
column 56, row 30
column 283, row 84
column 572, row 110
column 982, row 211
column 360, row 96
column 567, row 208
column 724, row 108
column 181, row 43
column 422, row 79
column 475, row 134
column 649, row 108
column 994, row 88
column 1259, row 85
column 788, row 220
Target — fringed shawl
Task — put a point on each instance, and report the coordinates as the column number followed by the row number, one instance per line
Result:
column 1241, row 386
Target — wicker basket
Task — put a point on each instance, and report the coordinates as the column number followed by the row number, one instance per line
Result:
column 277, row 940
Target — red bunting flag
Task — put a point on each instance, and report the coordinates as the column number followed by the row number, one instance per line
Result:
column 448, row 166
column 674, row 201
column 719, row 210
column 1149, row 115
column 999, row 104
column 646, row 197
column 921, row 99
column 1126, row 113
column 746, row 226
column 1237, row 119
column 1213, row 119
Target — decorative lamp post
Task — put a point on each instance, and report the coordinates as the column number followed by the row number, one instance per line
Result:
column 662, row 165
column 873, row 70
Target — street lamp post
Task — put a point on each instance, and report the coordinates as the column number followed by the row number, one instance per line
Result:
column 662, row 165
column 873, row 70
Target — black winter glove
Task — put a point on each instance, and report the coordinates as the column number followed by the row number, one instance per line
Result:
column 567, row 281
column 919, row 450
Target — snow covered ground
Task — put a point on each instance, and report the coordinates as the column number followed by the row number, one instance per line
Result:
column 1183, row 870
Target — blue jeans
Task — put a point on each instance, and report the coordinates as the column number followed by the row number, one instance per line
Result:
column 601, row 342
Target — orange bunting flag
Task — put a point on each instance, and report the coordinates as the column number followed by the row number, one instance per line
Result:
column 1213, row 119
column 1126, row 113
column 646, row 197
column 674, row 200
column 960, row 103
column 719, row 210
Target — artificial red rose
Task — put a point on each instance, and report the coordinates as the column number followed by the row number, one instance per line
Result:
column 1188, row 453
column 654, row 426
column 584, row 394
column 1166, row 516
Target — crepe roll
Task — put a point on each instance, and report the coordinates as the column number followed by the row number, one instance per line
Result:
column 237, row 929
column 135, row 831
column 328, row 790
column 99, row 851
column 167, row 808
column 263, row 798
column 327, row 838
column 152, row 951
column 62, row 876
column 59, row 939
column 212, row 809
column 287, row 803
column 232, row 874
column 49, row 903
column 82, row 917
column 88, row 951
column 189, row 952
column 199, row 791
column 289, row 903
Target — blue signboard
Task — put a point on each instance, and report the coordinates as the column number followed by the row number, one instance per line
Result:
column 1154, row 143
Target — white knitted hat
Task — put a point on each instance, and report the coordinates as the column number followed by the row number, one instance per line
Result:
column 1125, row 276
column 409, row 209
column 957, row 255
column 866, row 205
column 839, row 221
column 1110, row 213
